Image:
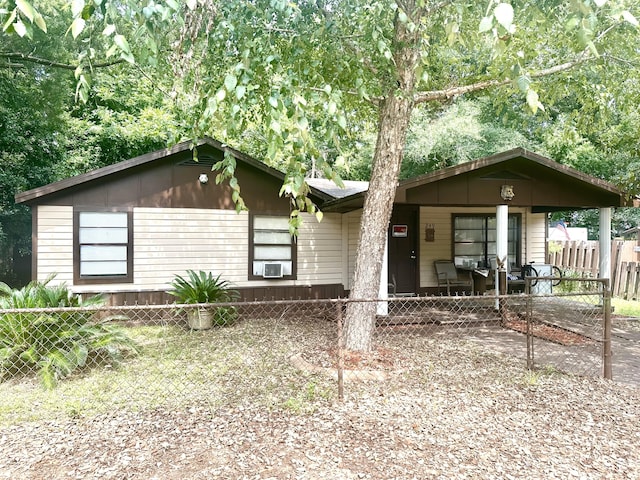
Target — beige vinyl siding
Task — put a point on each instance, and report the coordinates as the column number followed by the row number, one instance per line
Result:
column 55, row 243
column 537, row 238
column 320, row 250
column 352, row 227
column 169, row 241
column 533, row 232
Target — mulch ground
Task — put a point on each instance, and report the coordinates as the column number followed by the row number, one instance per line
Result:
column 551, row 333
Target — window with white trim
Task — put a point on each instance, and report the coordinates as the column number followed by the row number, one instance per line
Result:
column 272, row 243
column 103, row 247
column 474, row 240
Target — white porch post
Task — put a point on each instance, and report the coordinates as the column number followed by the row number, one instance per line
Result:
column 383, row 307
column 605, row 243
column 502, row 241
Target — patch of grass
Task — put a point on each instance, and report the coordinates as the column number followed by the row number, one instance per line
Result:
column 305, row 400
column 629, row 308
column 180, row 369
column 534, row 377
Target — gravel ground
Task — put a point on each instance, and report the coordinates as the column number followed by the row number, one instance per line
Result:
column 466, row 413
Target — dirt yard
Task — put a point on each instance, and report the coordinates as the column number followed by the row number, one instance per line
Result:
column 468, row 414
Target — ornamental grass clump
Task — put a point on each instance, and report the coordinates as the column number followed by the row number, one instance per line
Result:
column 203, row 288
column 53, row 343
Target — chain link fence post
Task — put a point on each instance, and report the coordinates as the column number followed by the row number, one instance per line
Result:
column 606, row 350
column 339, row 305
column 529, row 317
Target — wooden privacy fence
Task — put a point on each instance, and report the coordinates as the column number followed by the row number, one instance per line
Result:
column 583, row 258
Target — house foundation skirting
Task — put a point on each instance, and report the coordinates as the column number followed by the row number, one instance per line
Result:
column 247, row 294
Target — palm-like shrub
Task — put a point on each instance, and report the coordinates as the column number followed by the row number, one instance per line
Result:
column 55, row 343
column 203, row 287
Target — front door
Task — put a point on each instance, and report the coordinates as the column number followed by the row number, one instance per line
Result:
column 403, row 248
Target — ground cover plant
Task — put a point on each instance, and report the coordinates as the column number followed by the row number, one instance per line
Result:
column 58, row 342
column 181, row 368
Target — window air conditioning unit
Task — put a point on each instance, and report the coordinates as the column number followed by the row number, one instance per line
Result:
column 272, row 270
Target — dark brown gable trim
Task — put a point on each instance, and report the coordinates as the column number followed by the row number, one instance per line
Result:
column 93, row 280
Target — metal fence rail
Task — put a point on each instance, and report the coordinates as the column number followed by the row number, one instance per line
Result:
column 279, row 352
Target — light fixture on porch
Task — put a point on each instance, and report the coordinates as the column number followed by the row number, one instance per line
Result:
column 203, row 178
column 506, row 192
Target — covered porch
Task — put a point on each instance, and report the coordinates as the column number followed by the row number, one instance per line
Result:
column 486, row 217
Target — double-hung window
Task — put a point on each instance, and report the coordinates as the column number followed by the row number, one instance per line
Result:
column 103, row 246
column 272, row 250
column 474, row 240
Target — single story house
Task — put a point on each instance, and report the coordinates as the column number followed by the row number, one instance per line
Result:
column 128, row 228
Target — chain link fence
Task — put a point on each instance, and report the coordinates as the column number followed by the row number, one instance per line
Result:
column 568, row 325
column 278, row 353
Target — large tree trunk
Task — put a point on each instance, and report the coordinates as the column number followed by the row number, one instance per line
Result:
column 395, row 112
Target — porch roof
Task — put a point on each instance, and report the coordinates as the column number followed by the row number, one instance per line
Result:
column 537, row 181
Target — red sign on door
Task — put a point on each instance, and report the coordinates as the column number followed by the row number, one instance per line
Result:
column 399, row 231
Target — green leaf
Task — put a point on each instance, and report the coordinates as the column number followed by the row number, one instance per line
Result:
column 122, row 43
column 230, row 82
column 275, row 126
column 77, row 27
column 108, row 30
column 523, row 83
column 39, row 21
column 20, row 28
column 192, row 4
column 504, row 15
column 533, row 101
column 319, row 216
column 628, row 16
column 592, row 48
column 10, row 20
column 76, row 7
column 240, row 91
column 80, row 353
column 128, row 57
column 26, row 8
column 486, row 24
column 572, row 23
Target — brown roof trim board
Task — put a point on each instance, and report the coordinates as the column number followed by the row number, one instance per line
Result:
column 37, row 194
column 501, row 157
column 356, row 201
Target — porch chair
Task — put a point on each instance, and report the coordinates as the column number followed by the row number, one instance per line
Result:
column 448, row 276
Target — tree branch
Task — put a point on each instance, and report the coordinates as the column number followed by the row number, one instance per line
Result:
column 447, row 93
column 50, row 63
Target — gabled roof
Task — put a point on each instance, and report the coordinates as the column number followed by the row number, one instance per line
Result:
column 517, row 165
column 515, row 153
column 512, row 166
column 40, row 193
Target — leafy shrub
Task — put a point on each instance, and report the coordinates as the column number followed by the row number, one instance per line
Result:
column 55, row 343
column 202, row 287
